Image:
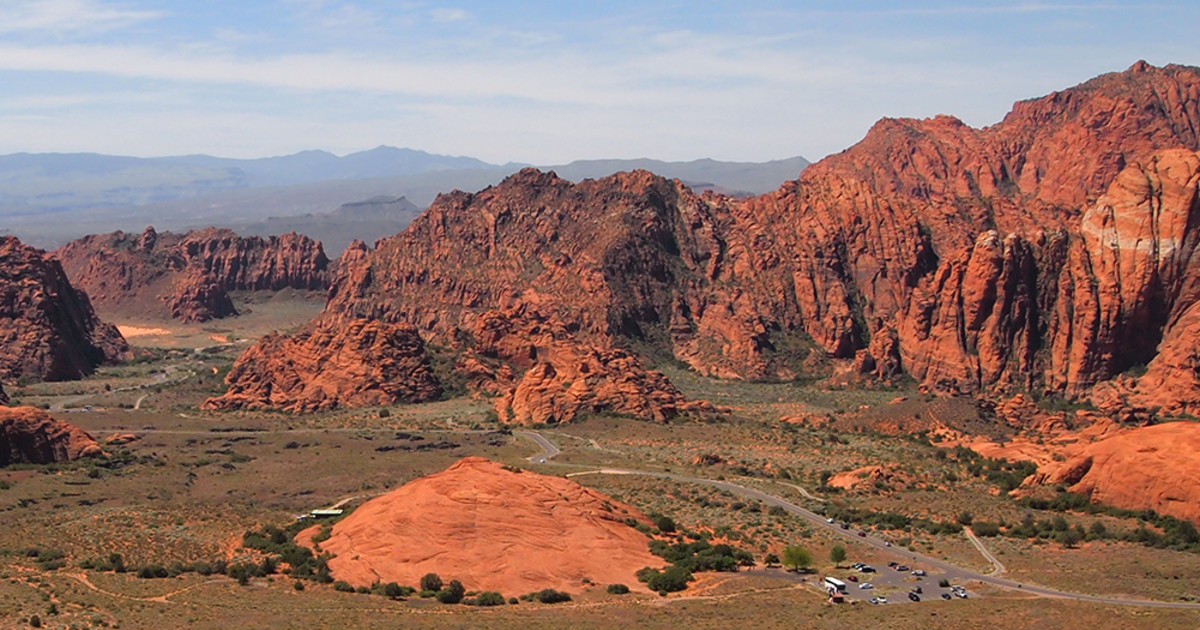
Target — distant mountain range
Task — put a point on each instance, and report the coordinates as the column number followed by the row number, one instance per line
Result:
column 49, row 199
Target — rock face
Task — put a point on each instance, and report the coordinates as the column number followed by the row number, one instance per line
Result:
column 547, row 376
column 188, row 277
column 492, row 529
column 1052, row 252
column 1155, row 467
column 48, row 330
column 356, row 363
column 31, row 436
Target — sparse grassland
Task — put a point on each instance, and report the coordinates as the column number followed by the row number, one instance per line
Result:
column 193, row 483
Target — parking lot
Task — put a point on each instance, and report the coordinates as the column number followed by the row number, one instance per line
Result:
column 898, row 583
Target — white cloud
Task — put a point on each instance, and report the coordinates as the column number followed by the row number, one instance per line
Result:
column 69, row 16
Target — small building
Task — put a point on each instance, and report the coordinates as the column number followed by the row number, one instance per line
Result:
column 326, row 513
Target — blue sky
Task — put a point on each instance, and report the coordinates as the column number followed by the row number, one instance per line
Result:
column 542, row 82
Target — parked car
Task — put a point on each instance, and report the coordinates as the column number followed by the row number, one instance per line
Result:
column 914, row 597
column 919, row 573
column 858, row 565
column 862, row 534
column 851, row 578
column 866, row 568
column 961, row 594
column 893, row 563
column 887, row 543
column 878, row 600
column 917, row 589
column 902, row 568
column 829, row 520
column 845, row 525
column 866, row 585
column 945, row 595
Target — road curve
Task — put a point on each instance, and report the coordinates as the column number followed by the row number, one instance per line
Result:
column 549, row 450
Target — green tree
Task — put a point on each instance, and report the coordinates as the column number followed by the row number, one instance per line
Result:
column 431, row 582
column 797, row 557
column 837, row 554
column 452, row 593
column 771, row 559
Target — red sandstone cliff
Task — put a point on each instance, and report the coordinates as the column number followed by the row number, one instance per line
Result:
column 1051, row 251
column 48, row 330
column 32, row 436
column 188, row 276
column 357, row 363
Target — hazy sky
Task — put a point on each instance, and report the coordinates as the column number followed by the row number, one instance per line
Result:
column 542, row 82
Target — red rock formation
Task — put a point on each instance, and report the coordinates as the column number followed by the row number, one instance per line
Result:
column 493, row 529
column 29, row 435
column 547, row 376
column 188, row 276
column 1154, row 467
column 355, row 363
column 1005, row 258
column 48, row 330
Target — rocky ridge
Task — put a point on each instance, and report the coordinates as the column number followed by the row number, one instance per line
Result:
column 189, row 276
column 48, row 330
column 1050, row 252
column 31, row 436
column 358, row 363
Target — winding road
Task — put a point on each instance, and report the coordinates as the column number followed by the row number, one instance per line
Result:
column 952, row 572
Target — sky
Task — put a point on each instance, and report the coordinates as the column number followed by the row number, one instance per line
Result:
column 543, row 82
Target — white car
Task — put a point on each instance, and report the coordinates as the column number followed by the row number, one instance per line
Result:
column 829, row 520
column 866, row 585
column 878, row 600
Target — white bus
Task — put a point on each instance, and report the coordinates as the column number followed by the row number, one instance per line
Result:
column 834, row 585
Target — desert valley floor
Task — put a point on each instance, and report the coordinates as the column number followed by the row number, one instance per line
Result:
column 179, row 486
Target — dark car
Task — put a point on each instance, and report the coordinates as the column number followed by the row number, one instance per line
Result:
column 893, row 563
column 917, row 589
column 852, row 578
column 945, row 595
column 903, row 568
column 862, row 534
column 914, row 597
column 845, row 525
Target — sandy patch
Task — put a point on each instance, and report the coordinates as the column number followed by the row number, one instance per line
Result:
column 128, row 331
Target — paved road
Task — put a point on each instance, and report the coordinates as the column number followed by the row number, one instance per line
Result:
column 953, row 572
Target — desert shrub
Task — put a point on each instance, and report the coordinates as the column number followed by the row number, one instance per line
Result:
column 394, row 590
column 551, row 596
column 488, row 598
column 986, row 529
column 431, row 582
column 152, row 571
column 617, row 589
column 343, row 586
column 673, row 578
column 452, row 593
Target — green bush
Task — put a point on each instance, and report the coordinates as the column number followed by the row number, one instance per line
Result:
column 343, row 586
column 452, row 593
column 673, row 578
column 489, row 598
column 551, row 596
column 431, row 582
column 617, row 589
